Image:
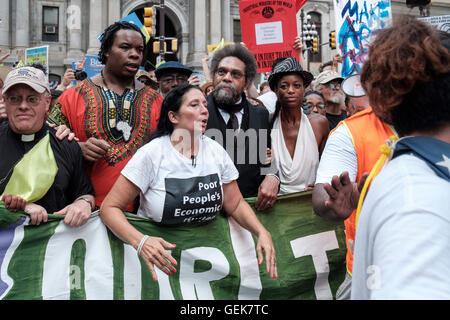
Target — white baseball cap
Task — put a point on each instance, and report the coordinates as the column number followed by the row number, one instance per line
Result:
column 32, row 77
column 352, row 86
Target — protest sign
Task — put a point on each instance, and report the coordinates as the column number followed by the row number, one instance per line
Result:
column 37, row 55
column 216, row 260
column 269, row 29
column 440, row 22
column 357, row 22
column 299, row 4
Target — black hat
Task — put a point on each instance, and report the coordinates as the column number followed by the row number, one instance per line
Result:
column 289, row 65
column 172, row 66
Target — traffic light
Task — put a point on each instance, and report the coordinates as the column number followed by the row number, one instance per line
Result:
column 314, row 45
column 174, row 45
column 332, row 41
column 150, row 20
column 157, row 47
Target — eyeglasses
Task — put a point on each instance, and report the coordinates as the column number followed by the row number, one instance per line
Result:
column 320, row 106
column 235, row 74
column 17, row 100
column 334, row 85
column 171, row 80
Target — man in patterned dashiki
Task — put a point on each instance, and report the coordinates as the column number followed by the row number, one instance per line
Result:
column 111, row 114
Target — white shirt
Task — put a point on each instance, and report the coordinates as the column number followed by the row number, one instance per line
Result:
column 296, row 172
column 402, row 245
column 226, row 116
column 175, row 189
column 339, row 155
column 270, row 100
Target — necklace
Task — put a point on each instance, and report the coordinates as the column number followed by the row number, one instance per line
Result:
column 119, row 117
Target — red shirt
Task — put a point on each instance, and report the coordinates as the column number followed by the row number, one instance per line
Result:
column 93, row 111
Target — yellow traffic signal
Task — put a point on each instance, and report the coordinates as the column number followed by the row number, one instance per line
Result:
column 174, row 45
column 314, row 45
column 150, row 20
column 332, row 40
column 157, row 47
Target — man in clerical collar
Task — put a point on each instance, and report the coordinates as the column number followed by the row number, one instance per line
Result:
column 69, row 191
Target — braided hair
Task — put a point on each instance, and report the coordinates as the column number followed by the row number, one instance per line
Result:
column 109, row 36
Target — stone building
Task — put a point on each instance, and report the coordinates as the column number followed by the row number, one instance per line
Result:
column 71, row 27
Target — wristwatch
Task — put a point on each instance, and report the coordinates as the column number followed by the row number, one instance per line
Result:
column 87, row 200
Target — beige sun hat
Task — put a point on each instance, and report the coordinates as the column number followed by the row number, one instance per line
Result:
column 30, row 76
column 327, row 76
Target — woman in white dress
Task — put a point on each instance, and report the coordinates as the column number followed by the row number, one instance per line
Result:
column 297, row 141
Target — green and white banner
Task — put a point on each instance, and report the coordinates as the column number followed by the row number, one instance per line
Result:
column 216, row 260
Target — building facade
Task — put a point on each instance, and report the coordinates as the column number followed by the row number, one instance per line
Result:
column 71, row 27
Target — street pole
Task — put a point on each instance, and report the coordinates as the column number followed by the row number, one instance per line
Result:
column 303, row 35
column 162, row 30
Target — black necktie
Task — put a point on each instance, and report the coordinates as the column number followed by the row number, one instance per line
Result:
column 233, row 122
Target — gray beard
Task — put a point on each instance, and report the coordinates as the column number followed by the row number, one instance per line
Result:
column 337, row 98
column 224, row 97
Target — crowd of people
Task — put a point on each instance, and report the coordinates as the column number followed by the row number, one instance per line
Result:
column 151, row 142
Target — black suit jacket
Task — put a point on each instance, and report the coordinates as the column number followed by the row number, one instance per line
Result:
column 248, row 148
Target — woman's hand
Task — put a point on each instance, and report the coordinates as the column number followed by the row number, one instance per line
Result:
column 154, row 254
column 265, row 246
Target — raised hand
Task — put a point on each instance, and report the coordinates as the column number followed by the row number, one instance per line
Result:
column 344, row 194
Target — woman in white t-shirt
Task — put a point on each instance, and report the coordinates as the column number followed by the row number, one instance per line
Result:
column 182, row 176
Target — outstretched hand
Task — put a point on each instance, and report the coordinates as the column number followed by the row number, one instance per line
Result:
column 344, row 194
column 154, row 254
column 265, row 246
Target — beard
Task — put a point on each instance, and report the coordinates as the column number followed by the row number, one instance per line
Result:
column 337, row 98
column 225, row 97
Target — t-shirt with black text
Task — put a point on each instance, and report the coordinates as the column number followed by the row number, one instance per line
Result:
column 175, row 189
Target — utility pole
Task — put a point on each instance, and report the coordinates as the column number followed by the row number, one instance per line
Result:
column 162, row 29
